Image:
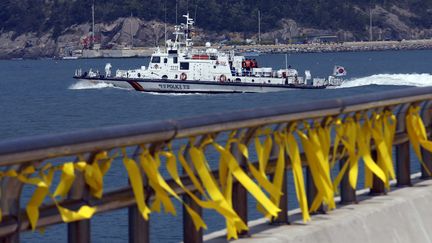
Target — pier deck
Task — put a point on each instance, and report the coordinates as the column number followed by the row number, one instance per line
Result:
column 403, row 215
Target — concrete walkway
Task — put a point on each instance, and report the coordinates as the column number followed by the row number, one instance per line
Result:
column 403, row 215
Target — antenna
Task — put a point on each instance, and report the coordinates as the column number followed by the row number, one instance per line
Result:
column 286, row 61
column 259, row 27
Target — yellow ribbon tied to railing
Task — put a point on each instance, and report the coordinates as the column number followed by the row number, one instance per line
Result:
column 383, row 130
column 417, row 134
column 200, row 163
column 348, row 133
column 43, row 183
column 364, row 144
column 274, row 188
column 356, row 137
column 319, row 168
column 297, row 170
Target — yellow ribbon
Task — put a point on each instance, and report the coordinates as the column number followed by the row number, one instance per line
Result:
column 383, row 128
column 228, row 213
column 297, row 170
column 200, row 163
column 43, row 183
column 263, row 153
column 136, row 182
column 242, row 177
column 371, row 166
column 319, row 167
column 417, row 134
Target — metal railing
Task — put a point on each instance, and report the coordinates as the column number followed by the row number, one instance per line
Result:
column 17, row 154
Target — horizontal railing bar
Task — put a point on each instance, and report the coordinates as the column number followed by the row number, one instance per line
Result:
column 50, row 146
column 122, row 198
column 184, row 133
column 66, row 150
column 383, row 103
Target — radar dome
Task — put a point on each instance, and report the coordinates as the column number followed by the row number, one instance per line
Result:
column 207, row 44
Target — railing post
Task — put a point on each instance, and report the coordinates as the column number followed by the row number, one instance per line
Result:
column 347, row 193
column 190, row 234
column 378, row 187
column 403, row 170
column 79, row 232
column 427, row 156
column 240, row 205
column 282, row 217
column 10, row 204
column 239, row 196
column 311, row 190
column 139, row 228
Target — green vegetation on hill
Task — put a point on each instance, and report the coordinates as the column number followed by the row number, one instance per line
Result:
column 216, row 15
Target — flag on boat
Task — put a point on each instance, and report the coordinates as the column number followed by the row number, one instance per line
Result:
column 339, row 71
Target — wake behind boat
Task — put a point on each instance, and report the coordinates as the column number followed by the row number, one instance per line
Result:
column 181, row 69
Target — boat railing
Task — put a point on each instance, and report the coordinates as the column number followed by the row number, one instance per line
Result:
column 213, row 161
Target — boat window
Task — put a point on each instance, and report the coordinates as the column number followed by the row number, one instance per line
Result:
column 165, row 60
column 184, row 66
column 175, row 59
column 155, row 59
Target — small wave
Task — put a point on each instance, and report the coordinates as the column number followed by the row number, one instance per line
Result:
column 419, row 80
column 90, row 85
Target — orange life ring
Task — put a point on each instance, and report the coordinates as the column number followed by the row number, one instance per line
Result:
column 183, row 76
column 222, row 78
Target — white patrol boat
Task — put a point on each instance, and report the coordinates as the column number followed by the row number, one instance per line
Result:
column 180, row 69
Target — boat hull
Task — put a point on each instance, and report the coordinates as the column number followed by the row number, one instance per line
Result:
column 189, row 86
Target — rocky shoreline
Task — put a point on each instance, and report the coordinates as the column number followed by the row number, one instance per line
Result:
column 132, row 37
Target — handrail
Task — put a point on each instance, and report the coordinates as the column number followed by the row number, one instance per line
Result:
column 125, row 135
column 24, row 151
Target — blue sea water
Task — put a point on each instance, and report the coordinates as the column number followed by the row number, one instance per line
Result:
column 40, row 97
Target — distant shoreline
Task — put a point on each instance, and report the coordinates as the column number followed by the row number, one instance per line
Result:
column 425, row 44
column 338, row 47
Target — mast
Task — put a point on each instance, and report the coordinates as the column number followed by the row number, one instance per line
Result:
column 370, row 21
column 195, row 18
column 130, row 28
column 176, row 11
column 259, row 27
column 165, row 26
column 93, row 26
